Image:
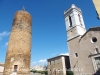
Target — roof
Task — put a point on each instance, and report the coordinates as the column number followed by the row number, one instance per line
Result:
column 71, row 8
column 58, row 56
column 91, row 29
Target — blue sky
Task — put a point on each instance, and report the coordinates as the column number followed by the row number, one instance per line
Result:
column 48, row 25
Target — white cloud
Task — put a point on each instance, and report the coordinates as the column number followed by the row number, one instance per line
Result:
column 6, row 44
column 3, row 34
column 40, row 62
column 64, row 54
column 43, row 61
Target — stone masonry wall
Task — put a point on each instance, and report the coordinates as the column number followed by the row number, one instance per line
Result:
column 19, row 46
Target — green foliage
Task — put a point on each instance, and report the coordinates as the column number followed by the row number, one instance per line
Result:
column 34, row 71
column 70, row 73
column 46, row 72
column 42, row 72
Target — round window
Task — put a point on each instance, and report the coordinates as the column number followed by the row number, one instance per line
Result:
column 94, row 39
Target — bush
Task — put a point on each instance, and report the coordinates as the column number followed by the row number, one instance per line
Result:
column 34, row 71
column 46, row 72
column 42, row 72
column 70, row 73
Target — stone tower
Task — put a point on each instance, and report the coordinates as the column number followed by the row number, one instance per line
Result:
column 74, row 22
column 19, row 47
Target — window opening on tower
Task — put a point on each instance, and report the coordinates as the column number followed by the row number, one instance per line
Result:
column 70, row 20
column 15, row 68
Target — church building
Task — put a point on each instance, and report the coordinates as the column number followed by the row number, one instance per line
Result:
column 83, row 46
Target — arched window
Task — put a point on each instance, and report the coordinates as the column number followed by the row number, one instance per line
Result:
column 70, row 20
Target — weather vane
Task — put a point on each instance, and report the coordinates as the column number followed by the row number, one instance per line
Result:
column 23, row 8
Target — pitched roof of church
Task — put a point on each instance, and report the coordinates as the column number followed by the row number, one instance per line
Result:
column 58, row 56
column 91, row 29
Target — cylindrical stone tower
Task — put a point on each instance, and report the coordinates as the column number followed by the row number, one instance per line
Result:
column 19, row 47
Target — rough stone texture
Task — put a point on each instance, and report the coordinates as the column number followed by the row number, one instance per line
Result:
column 19, row 46
column 97, row 6
column 31, row 73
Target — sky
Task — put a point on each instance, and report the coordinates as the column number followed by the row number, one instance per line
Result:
column 49, row 38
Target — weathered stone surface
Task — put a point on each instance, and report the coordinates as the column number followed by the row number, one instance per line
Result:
column 97, row 6
column 19, row 46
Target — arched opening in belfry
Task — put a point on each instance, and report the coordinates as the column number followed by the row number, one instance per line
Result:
column 70, row 20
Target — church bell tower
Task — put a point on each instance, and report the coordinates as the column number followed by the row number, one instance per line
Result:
column 74, row 22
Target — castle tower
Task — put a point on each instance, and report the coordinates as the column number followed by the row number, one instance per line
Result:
column 19, row 46
column 74, row 22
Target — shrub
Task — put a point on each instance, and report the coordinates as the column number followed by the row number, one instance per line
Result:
column 34, row 71
column 42, row 72
column 70, row 73
column 46, row 72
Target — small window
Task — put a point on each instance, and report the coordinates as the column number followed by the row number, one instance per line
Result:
column 76, row 54
column 94, row 39
column 15, row 68
column 70, row 20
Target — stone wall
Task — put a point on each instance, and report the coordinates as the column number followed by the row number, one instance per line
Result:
column 19, row 46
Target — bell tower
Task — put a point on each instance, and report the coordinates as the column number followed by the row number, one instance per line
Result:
column 74, row 22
